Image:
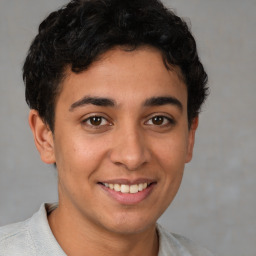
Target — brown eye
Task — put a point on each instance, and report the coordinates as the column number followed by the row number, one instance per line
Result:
column 158, row 120
column 95, row 120
column 96, row 123
column 161, row 121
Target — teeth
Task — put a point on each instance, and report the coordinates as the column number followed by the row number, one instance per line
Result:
column 140, row 187
column 117, row 187
column 134, row 189
column 124, row 188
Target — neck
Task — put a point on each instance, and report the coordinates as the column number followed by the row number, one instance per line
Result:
column 81, row 238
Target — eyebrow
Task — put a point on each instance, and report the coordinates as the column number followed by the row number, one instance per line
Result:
column 160, row 101
column 97, row 101
column 107, row 102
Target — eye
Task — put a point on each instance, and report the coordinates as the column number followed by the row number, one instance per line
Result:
column 96, row 121
column 160, row 121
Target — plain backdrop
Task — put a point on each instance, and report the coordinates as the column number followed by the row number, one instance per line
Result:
column 216, row 204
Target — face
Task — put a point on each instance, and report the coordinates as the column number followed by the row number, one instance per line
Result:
column 121, row 125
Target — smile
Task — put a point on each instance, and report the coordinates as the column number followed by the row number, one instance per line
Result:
column 124, row 188
column 127, row 192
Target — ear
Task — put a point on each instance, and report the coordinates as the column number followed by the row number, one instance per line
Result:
column 191, row 139
column 43, row 137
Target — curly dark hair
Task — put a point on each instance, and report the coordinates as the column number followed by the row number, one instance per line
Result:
column 77, row 34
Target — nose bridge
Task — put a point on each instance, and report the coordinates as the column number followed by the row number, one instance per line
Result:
column 129, row 149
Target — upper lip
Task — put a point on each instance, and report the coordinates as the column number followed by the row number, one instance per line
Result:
column 128, row 181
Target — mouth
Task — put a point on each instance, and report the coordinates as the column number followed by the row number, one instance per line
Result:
column 128, row 193
column 125, row 188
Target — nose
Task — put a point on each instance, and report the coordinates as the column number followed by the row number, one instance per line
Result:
column 130, row 149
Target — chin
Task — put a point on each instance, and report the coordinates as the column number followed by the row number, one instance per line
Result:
column 127, row 224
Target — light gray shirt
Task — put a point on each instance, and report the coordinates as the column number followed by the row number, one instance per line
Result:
column 34, row 237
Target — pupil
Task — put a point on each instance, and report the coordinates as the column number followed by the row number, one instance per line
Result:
column 158, row 120
column 96, row 120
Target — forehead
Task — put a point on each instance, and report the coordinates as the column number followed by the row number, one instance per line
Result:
column 119, row 73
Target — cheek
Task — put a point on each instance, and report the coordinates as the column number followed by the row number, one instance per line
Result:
column 171, row 159
column 78, row 156
column 172, row 152
column 171, row 156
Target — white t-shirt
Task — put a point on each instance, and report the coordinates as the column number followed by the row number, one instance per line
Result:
column 34, row 237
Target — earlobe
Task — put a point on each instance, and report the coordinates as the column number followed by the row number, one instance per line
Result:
column 43, row 137
column 191, row 139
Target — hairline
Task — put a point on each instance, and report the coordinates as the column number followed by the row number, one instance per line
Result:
column 67, row 71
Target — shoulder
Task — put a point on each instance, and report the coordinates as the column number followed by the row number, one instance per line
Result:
column 32, row 237
column 15, row 239
column 178, row 245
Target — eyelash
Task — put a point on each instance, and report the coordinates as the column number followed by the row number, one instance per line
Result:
column 167, row 121
column 90, row 119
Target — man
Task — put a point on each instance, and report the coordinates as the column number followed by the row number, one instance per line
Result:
column 115, row 89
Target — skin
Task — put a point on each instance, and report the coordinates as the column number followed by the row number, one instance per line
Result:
column 127, row 143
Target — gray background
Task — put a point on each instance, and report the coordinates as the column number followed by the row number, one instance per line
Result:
column 216, row 204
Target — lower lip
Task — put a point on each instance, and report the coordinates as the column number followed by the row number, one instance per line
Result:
column 129, row 198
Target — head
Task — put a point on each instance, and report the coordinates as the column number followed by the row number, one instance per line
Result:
column 78, row 34
column 115, row 88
